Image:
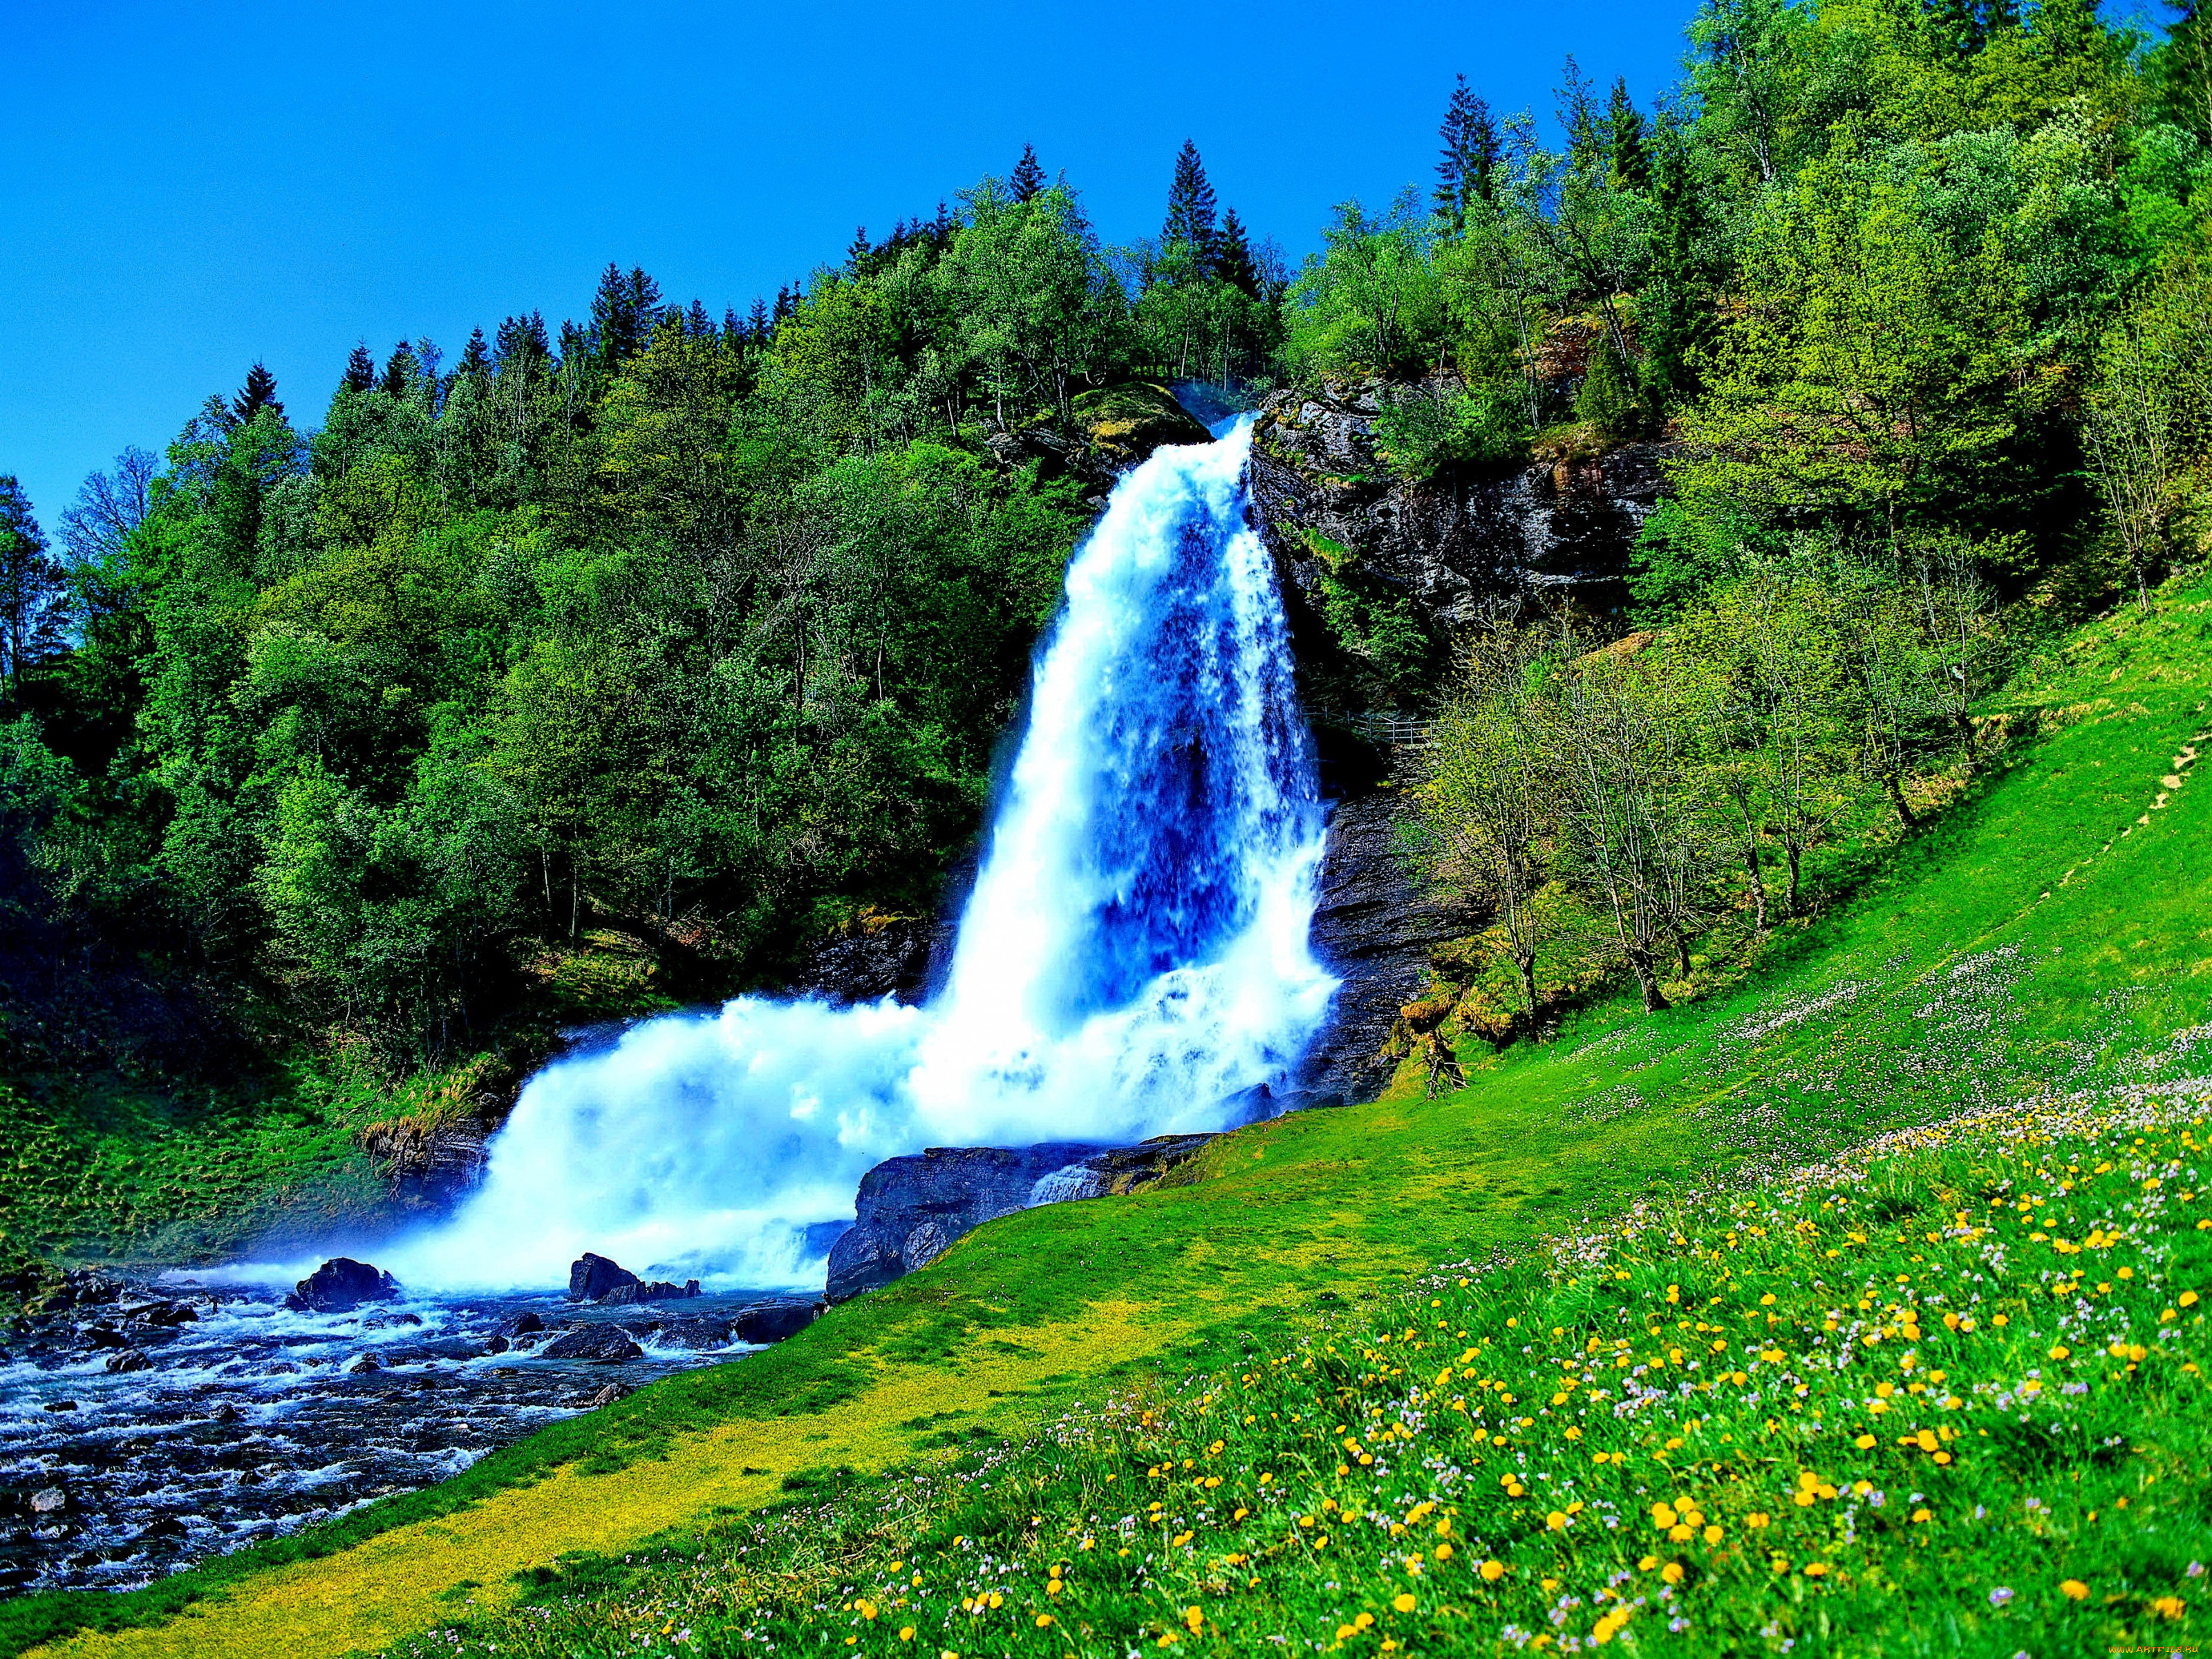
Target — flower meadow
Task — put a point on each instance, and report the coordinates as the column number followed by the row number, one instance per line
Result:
column 1943, row 1395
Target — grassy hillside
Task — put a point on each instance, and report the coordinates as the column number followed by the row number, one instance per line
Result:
column 2049, row 935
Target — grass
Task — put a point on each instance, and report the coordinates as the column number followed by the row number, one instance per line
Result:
column 1960, row 1373
column 2049, row 933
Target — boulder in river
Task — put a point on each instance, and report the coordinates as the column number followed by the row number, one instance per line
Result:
column 772, row 1322
column 49, row 1500
column 608, row 1395
column 130, row 1359
column 660, row 1291
column 606, row 1344
column 522, row 1324
column 593, row 1278
column 340, row 1285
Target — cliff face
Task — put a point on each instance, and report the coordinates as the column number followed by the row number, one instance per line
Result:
column 1329, row 506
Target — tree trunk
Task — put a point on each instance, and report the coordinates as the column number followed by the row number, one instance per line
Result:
column 1646, row 979
column 1795, row 853
column 1896, row 788
column 1682, row 953
column 1525, row 962
column 1758, row 879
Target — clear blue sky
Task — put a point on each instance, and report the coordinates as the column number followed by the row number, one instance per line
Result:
column 189, row 187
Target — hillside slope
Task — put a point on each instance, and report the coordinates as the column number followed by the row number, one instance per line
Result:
column 2051, row 933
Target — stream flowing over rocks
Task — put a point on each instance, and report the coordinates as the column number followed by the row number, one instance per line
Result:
column 146, row 1427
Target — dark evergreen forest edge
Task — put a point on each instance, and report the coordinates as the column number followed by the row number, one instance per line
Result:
column 603, row 669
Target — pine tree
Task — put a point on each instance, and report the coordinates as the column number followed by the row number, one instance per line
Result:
column 259, row 392
column 361, row 368
column 786, row 302
column 697, row 324
column 522, row 342
column 623, row 311
column 757, row 327
column 1028, row 175
column 733, row 327
column 1232, row 258
column 857, row 255
column 399, row 370
column 1630, row 151
column 475, row 358
column 1190, row 206
column 1467, row 170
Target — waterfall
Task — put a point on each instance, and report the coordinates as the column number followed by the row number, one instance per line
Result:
column 1133, row 959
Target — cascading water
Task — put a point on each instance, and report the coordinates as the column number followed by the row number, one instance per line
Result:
column 1133, row 960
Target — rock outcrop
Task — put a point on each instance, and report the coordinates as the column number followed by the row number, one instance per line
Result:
column 1332, row 510
column 911, row 1208
column 340, row 1285
column 1375, row 924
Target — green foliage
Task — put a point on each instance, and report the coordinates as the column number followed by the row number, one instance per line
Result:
column 1432, row 431
column 1372, row 299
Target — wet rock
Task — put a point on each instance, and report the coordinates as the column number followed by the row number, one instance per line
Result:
column 61, row 1404
column 497, row 1344
column 660, row 1291
column 340, row 1285
column 604, row 1344
column 80, row 1287
column 1374, row 924
column 102, row 1335
column 702, row 1333
column 364, row 1363
column 522, row 1324
column 772, row 1322
column 130, row 1359
column 608, row 1395
column 910, row 1209
column 159, row 1531
column 593, row 1278
column 226, row 1413
column 49, row 1500
column 162, row 1315
column 876, row 956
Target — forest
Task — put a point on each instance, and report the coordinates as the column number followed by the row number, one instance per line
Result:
column 358, row 732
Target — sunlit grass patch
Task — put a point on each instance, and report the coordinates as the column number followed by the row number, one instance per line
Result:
column 1953, row 1382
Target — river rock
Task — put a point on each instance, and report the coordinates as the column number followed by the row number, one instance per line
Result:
column 910, row 1208
column 49, row 1500
column 608, row 1395
column 524, row 1323
column 365, row 1363
column 592, row 1278
column 130, row 1359
column 606, row 1344
column 772, row 1322
column 703, row 1332
column 340, row 1285
column 163, row 1314
column 660, row 1291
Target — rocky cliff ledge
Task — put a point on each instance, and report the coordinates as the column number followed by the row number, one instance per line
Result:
column 1567, row 520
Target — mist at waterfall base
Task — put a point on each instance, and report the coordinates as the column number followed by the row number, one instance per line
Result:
column 1133, row 959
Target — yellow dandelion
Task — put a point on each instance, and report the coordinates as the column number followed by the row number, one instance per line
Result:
column 2073, row 1589
column 1492, row 1571
column 1403, row 1602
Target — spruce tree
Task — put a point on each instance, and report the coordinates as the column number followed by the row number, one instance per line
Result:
column 756, row 326
column 697, row 324
column 1232, row 258
column 1467, row 169
column 1631, row 152
column 622, row 314
column 476, row 357
column 399, row 370
column 361, row 368
column 1028, row 175
column 259, row 392
column 1190, row 206
column 858, row 255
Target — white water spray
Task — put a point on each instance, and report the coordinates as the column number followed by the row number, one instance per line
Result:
column 1133, row 959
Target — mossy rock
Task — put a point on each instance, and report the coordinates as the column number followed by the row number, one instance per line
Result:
column 1128, row 422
